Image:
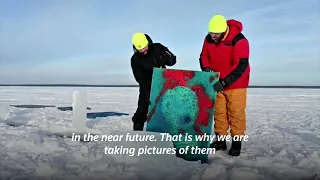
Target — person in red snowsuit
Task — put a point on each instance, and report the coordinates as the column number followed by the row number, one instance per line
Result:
column 226, row 50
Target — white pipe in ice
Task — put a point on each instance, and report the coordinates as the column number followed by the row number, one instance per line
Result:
column 79, row 107
column 4, row 110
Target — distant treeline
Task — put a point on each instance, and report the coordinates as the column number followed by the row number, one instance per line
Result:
column 85, row 85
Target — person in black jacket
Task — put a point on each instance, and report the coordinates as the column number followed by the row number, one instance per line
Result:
column 147, row 55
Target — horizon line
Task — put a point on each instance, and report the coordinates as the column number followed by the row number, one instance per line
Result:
column 132, row 85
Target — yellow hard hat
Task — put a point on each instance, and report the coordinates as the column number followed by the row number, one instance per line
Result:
column 139, row 40
column 217, row 24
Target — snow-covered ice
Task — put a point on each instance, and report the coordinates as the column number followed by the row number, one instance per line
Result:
column 283, row 127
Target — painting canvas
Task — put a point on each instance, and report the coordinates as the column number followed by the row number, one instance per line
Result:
column 182, row 102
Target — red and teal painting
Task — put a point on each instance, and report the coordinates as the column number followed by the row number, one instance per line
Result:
column 182, row 102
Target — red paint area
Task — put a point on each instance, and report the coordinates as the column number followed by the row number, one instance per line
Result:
column 204, row 103
column 212, row 78
column 181, row 78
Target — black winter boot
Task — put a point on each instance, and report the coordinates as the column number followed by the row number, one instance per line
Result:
column 219, row 145
column 235, row 148
column 177, row 152
column 138, row 126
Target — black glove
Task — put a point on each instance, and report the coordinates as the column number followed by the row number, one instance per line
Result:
column 218, row 86
column 161, row 60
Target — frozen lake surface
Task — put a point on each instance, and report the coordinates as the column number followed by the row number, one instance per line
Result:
column 283, row 128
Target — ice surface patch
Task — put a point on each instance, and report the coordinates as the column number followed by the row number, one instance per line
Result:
column 44, row 170
column 244, row 173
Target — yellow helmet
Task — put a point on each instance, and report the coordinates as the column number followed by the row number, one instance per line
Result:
column 139, row 40
column 217, row 24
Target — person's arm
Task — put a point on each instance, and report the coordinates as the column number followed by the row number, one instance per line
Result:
column 169, row 58
column 139, row 76
column 204, row 58
column 240, row 63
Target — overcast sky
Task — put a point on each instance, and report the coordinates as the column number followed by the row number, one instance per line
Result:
column 89, row 42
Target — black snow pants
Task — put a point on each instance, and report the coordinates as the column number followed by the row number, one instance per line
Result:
column 140, row 116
